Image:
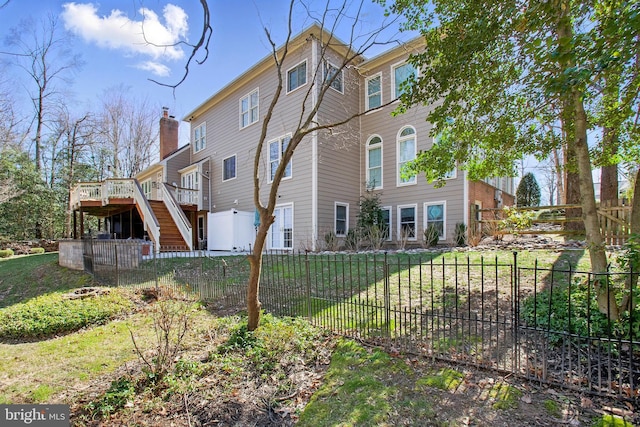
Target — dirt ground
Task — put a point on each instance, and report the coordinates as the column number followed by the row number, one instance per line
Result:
column 221, row 398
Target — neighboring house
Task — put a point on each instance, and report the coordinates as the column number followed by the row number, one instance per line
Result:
column 211, row 178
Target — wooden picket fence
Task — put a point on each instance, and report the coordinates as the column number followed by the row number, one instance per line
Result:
column 615, row 221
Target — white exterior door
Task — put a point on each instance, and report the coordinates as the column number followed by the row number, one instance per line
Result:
column 281, row 231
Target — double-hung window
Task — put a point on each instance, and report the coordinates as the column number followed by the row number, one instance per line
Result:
column 297, row 76
column 199, row 137
column 374, row 163
column 342, row 219
column 435, row 215
column 406, row 152
column 400, row 74
column 276, row 151
column 385, row 227
column 333, row 74
column 407, row 222
column 229, row 168
column 249, row 112
column 374, row 92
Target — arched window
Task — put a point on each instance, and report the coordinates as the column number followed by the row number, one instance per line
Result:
column 406, row 152
column 374, row 162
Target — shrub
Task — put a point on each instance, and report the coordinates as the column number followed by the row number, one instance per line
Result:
column 352, row 240
column 460, row 234
column 6, row 253
column 516, row 220
column 171, row 321
column 51, row 314
column 331, row 240
column 36, row 250
column 431, row 236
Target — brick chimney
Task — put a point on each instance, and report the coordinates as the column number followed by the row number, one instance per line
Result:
column 168, row 133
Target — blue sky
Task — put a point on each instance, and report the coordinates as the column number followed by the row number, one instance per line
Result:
column 107, row 36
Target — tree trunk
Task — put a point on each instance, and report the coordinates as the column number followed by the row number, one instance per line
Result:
column 255, row 262
column 605, row 295
column 574, row 101
column 609, row 173
column 572, row 190
column 560, row 195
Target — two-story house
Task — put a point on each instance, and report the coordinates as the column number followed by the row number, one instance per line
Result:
column 211, row 179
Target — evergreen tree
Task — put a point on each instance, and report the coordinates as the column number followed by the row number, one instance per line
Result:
column 528, row 192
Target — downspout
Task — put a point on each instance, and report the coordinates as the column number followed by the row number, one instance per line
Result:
column 314, row 152
column 465, row 197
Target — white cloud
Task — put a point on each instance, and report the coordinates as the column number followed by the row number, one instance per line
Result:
column 146, row 36
column 155, row 67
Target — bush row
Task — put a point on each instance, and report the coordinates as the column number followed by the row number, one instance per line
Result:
column 52, row 314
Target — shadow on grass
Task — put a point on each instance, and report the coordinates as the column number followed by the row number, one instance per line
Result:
column 28, row 276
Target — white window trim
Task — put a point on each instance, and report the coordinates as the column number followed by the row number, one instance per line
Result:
column 248, row 97
column 306, row 80
column 425, row 222
column 393, row 78
column 271, row 229
column 415, row 219
column 279, row 140
column 399, row 139
column 147, row 182
column 366, row 95
column 204, row 139
column 324, row 76
column 368, row 148
column 236, row 171
column 389, row 208
column 454, row 175
column 335, row 218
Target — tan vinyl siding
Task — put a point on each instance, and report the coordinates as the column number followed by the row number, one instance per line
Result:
column 387, row 127
column 176, row 162
column 339, row 155
column 225, row 138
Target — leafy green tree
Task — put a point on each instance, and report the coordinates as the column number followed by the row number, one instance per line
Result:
column 498, row 72
column 528, row 192
column 32, row 205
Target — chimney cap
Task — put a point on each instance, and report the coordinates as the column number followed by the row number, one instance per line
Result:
column 165, row 112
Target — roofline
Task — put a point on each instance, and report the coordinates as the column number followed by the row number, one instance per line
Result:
column 401, row 50
column 265, row 63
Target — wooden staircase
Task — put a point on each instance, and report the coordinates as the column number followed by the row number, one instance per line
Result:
column 170, row 237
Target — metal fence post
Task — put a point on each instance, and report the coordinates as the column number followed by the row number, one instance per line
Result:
column 115, row 251
column 308, row 275
column 387, row 297
column 155, row 268
column 516, row 315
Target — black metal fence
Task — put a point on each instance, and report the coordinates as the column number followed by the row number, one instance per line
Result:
column 542, row 324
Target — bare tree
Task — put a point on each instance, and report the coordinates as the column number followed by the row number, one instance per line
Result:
column 309, row 121
column 126, row 129
column 41, row 50
column 200, row 46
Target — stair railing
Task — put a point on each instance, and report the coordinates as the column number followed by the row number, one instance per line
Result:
column 179, row 218
column 151, row 224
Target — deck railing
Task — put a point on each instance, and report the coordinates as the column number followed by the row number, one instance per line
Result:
column 179, row 218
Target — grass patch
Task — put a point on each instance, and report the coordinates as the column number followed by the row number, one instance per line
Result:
column 26, row 277
column 505, row 395
column 52, row 314
column 609, row 420
column 444, row 379
column 552, row 407
column 355, row 391
column 63, row 362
